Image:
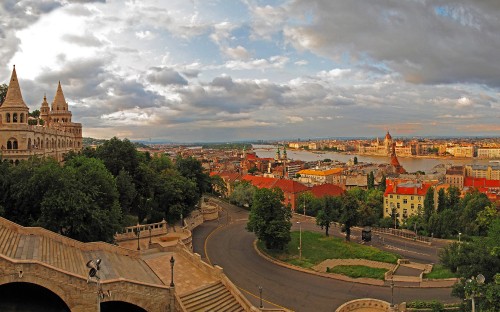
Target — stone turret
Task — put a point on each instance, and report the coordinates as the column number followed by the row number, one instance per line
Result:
column 13, row 109
column 59, row 111
column 45, row 111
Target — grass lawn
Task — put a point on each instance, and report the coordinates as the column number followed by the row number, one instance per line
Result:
column 356, row 271
column 439, row 271
column 316, row 248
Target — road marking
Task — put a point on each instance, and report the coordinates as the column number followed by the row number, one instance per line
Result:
column 264, row 300
column 406, row 250
column 206, row 240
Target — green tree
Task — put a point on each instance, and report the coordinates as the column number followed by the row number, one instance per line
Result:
column 472, row 204
column 126, row 190
column 428, row 204
column 453, row 197
column 3, row 92
column 329, row 212
column 117, row 155
column 382, row 184
column 306, row 202
column 83, row 202
column 243, row 194
column 269, row 219
column 442, row 200
column 349, row 213
column 371, row 181
column 191, row 168
column 218, row 186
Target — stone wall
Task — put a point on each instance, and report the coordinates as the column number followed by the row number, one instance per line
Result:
column 79, row 294
column 365, row 305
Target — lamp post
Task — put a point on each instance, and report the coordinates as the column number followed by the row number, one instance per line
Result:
column 459, row 234
column 172, row 261
column 304, row 205
column 138, row 233
column 471, row 286
column 150, row 229
column 392, row 292
column 93, row 275
column 260, row 296
column 300, row 240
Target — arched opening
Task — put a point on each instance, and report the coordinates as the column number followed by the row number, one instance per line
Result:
column 120, row 306
column 7, row 117
column 22, row 118
column 29, row 297
column 12, row 144
column 9, row 145
column 29, row 144
column 16, row 162
column 14, row 117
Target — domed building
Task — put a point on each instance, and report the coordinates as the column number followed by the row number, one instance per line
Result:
column 53, row 134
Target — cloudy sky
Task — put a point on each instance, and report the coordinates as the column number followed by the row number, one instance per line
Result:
column 228, row 70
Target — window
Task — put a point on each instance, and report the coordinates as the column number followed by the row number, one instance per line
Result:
column 398, row 196
column 399, row 206
column 412, row 206
column 390, row 196
column 14, row 117
column 7, row 117
column 386, row 201
column 419, row 206
column 412, row 198
column 405, row 201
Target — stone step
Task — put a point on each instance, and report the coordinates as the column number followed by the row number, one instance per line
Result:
column 208, row 303
column 204, row 290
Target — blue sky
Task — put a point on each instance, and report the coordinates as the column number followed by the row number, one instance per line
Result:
column 227, row 70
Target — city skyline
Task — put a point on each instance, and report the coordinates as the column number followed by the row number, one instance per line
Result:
column 192, row 71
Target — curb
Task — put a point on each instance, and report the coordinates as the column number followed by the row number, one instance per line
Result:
column 365, row 281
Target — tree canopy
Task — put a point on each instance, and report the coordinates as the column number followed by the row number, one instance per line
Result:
column 269, row 219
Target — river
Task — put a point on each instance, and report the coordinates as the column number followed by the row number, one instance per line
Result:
column 411, row 164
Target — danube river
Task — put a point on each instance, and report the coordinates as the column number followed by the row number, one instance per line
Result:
column 410, row 164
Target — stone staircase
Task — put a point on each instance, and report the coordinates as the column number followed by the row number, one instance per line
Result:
column 213, row 297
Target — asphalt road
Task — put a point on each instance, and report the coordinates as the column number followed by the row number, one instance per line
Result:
column 229, row 245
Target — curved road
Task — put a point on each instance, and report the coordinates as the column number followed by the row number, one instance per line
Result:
column 229, row 245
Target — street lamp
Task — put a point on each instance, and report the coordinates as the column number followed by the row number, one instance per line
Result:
column 93, row 275
column 304, row 205
column 138, row 234
column 260, row 296
column 300, row 240
column 150, row 229
column 471, row 286
column 459, row 234
column 392, row 292
column 172, row 261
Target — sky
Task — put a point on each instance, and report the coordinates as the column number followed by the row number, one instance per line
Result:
column 235, row 70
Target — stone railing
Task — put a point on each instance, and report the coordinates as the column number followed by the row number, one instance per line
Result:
column 194, row 219
column 368, row 304
column 404, row 234
column 67, row 241
column 130, row 232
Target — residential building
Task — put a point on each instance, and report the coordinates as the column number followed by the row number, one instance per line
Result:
column 318, row 176
column 489, row 172
column 455, row 176
column 490, row 153
column 405, row 198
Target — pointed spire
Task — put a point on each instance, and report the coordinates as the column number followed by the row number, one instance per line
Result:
column 59, row 102
column 14, row 98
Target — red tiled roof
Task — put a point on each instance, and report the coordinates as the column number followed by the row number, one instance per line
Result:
column 287, row 186
column 480, row 182
column 290, row 186
column 411, row 190
column 260, row 182
column 327, row 189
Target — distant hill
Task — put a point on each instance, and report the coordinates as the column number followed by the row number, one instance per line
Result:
column 91, row 141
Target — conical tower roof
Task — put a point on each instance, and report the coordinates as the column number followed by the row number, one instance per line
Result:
column 14, row 98
column 59, row 103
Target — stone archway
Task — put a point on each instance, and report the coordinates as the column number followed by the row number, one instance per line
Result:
column 120, row 306
column 22, row 296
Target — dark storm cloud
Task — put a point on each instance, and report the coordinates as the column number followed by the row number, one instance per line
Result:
column 88, row 40
column 165, row 76
column 429, row 42
column 80, row 77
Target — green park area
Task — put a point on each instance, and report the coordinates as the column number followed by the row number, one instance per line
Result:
column 316, row 248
